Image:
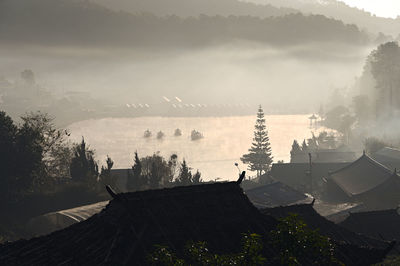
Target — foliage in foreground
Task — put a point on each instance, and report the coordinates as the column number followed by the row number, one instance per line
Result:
column 198, row 254
column 390, row 261
column 297, row 244
column 292, row 242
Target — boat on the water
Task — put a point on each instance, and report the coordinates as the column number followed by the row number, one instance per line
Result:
column 196, row 135
column 147, row 134
column 177, row 132
column 160, row 135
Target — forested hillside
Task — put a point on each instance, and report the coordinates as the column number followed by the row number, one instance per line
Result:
column 185, row 8
column 50, row 22
column 340, row 10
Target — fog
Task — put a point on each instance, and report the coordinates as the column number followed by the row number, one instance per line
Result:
column 216, row 118
column 300, row 77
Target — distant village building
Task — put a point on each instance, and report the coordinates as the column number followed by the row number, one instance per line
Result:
column 121, row 178
column 313, row 120
column 340, row 155
column 303, row 176
column 366, row 181
column 390, row 157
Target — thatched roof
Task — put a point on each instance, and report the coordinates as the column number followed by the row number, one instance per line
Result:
column 361, row 176
column 131, row 224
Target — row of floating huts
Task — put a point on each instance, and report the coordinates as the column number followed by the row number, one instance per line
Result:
column 194, row 135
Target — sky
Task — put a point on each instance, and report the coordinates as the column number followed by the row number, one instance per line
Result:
column 382, row 8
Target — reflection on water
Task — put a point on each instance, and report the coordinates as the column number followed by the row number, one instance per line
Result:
column 225, row 139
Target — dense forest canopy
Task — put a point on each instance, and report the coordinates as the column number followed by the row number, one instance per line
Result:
column 64, row 22
column 186, row 8
column 340, row 10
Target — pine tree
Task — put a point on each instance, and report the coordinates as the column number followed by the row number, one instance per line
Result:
column 105, row 175
column 296, row 149
column 136, row 180
column 185, row 175
column 259, row 157
column 83, row 167
column 196, row 179
column 304, row 146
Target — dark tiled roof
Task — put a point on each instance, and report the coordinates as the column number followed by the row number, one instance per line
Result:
column 378, row 224
column 273, row 195
column 361, row 176
column 326, row 227
column 131, row 224
column 298, row 171
column 389, row 153
column 50, row 222
column 389, row 157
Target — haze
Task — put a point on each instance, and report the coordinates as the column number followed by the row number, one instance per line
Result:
column 383, row 8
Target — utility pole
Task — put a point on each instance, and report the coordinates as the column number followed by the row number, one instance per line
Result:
column 310, row 171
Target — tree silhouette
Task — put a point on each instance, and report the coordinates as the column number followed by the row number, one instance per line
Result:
column 296, row 149
column 185, row 175
column 196, row 179
column 259, row 157
column 136, row 180
column 385, row 69
column 83, row 166
column 105, row 175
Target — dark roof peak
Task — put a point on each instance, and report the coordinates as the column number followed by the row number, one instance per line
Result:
column 132, row 223
column 364, row 158
column 361, row 176
column 241, row 177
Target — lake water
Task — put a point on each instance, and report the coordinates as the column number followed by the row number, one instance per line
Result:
column 225, row 140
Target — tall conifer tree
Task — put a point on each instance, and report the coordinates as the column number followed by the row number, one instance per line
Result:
column 259, row 157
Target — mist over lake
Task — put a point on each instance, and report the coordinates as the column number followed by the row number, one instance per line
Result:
column 225, row 140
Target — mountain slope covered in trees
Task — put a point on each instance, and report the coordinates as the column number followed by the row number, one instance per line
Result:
column 185, row 8
column 339, row 10
column 62, row 22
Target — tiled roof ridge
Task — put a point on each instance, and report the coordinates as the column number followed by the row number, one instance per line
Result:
column 359, row 214
column 341, row 230
column 363, row 157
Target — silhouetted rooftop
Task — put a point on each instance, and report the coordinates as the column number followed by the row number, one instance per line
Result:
column 382, row 224
column 361, row 176
column 131, row 224
column 275, row 194
column 353, row 248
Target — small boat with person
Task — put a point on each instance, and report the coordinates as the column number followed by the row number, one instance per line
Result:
column 160, row 135
column 196, row 135
column 177, row 132
column 147, row 134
